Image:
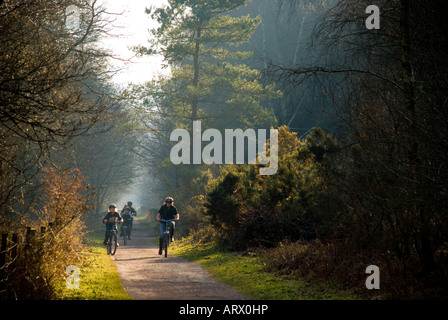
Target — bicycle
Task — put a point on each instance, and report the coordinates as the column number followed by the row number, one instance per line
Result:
column 112, row 239
column 166, row 237
column 126, row 232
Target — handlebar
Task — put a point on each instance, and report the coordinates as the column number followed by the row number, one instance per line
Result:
column 164, row 220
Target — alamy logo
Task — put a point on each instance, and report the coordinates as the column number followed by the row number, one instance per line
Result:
column 72, row 281
column 373, row 21
column 373, row 281
column 213, row 152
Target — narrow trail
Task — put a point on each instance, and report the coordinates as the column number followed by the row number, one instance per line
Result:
column 146, row 275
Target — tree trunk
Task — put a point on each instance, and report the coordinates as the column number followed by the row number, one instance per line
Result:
column 423, row 240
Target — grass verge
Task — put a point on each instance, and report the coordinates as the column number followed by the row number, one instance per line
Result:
column 99, row 278
column 245, row 273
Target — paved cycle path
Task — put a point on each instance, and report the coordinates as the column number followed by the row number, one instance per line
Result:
column 146, row 275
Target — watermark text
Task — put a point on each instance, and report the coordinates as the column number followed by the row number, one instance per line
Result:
column 72, row 281
column 234, row 147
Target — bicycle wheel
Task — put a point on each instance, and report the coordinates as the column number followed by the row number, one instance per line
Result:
column 108, row 244
column 114, row 243
column 125, row 234
column 166, row 241
column 108, row 247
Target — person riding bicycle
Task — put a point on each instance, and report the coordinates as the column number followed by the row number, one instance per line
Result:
column 132, row 210
column 127, row 220
column 167, row 212
column 110, row 220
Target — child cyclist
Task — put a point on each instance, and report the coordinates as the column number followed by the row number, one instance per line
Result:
column 110, row 220
column 127, row 220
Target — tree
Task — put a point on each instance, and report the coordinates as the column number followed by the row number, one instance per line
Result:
column 283, row 39
column 46, row 92
column 44, row 68
column 195, row 39
column 55, row 112
column 199, row 41
column 388, row 86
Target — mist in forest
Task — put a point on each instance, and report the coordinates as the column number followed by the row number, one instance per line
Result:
column 361, row 115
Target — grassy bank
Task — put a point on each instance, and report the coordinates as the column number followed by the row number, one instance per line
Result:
column 245, row 272
column 99, row 279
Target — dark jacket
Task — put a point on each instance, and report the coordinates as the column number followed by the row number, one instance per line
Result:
column 112, row 215
column 166, row 213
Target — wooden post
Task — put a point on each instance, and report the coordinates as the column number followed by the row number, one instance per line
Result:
column 28, row 237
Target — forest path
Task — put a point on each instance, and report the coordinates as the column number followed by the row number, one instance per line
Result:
column 146, row 275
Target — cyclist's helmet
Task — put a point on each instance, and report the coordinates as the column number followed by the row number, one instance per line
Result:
column 112, row 205
column 126, row 208
column 169, row 199
column 129, row 203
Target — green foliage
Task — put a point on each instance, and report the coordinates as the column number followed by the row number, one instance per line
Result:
column 199, row 41
column 319, row 215
column 224, row 203
column 298, row 202
column 207, row 79
column 207, row 21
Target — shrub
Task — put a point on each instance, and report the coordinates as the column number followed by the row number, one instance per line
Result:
column 43, row 258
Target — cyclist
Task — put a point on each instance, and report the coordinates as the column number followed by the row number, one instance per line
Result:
column 111, row 225
column 167, row 211
column 127, row 219
column 133, row 212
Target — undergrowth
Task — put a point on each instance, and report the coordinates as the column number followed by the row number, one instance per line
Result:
column 249, row 273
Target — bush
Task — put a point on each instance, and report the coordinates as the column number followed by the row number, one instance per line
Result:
column 298, row 202
column 326, row 216
column 43, row 257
